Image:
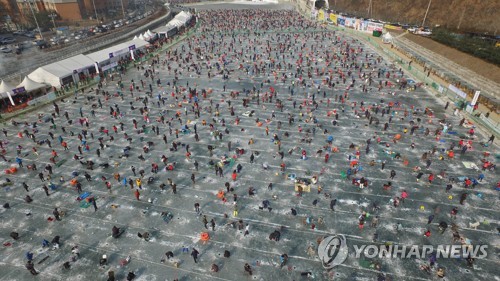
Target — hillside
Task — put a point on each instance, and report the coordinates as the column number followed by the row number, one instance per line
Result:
column 468, row 15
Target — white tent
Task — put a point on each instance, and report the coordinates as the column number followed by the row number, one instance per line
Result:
column 30, row 85
column 54, row 73
column 183, row 16
column 146, row 36
column 151, row 34
column 51, row 74
column 387, row 38
column 103, row 56
column 4, row 88
column 78, row 63
column 135, row 37
column 141, row 37
column 176, row 22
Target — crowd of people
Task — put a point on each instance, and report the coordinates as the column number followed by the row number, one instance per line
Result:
column 295, row 100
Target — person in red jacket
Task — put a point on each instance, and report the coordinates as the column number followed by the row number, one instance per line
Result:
column 427, row 233
column 234, row 175
column 404, row 195
column 327, row 156
column 137, row 194
column 431, row 178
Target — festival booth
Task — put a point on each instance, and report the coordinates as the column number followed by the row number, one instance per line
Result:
column 21, row 95
column 109, row 58
column 166, row 31
column 30, row 86
column 145, row 37
column 53, row 74
column 183, row 17
column 6, row 94
column 387, row 38
column 152, row 35
column 64, row 72
column 177, row 23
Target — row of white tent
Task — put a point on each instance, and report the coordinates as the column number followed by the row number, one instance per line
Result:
column 28, row 84
column 53, row 74
column 181, row 19
column 68, row 70
column 148, row 35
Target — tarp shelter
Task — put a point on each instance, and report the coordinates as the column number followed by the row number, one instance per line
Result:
column 4, row 88
column 30, row 85
column 387, row 38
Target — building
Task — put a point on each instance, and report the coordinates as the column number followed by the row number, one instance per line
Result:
column 8, row 7
column 104, row 7
column 9, row 14
column 72, row 10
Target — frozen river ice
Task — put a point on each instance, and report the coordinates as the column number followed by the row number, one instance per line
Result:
column 315, row 52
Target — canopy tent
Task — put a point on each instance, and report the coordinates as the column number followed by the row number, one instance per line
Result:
column 78, row 62
column 142, row 37
column 54, row 73
column 149, row 33
column 30, row 85
column 387, row 38
column 51, row 74
column 105, row 55
column 163, row 29
column 183, row 16
column 146, row 36
column 135, row 37
column 166, row 31
column 139, row 44
column 176, row 22
column 4, row 88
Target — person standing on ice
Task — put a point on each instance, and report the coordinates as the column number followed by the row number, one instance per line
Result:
column 195, row 254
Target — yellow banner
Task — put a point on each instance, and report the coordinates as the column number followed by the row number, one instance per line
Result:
column 321, row 15
column 333, row 18
column 393, row 27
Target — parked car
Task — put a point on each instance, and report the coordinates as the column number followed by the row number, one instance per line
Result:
column 29, row 34
column 41, row 44
column 9, row 40
column 6, row 50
